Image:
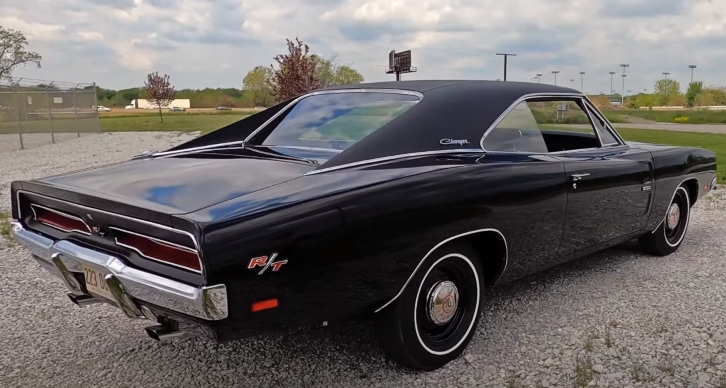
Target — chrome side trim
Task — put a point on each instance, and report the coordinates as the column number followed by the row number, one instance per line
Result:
column 164, row 227
column 393, row 157
column 283, row 110
column 669, row 202
column 35, row 217
column 506, row 259
column 180, row 247
column 306, row 148
column 63, row 257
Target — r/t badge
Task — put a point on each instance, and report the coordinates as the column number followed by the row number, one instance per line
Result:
column 266, row 262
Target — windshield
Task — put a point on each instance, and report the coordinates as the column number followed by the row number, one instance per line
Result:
column 338, row 120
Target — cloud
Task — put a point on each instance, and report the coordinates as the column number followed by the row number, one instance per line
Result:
column 213, row 43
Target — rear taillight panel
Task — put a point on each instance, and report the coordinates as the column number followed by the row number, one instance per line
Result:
column 59, row 220
column 158, row 250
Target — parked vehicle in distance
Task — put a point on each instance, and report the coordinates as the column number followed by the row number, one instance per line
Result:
column 176, row 109
column 101, row 108
column 401, row 201
column 222, row 107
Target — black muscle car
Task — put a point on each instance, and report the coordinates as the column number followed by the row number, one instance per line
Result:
column 404, row 201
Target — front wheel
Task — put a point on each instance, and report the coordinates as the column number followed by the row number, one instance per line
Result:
column 669, row 235
column 435, row 317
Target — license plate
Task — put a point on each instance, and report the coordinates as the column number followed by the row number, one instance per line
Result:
column 95, row 282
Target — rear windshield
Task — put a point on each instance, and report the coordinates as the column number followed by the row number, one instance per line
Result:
column 338, row 120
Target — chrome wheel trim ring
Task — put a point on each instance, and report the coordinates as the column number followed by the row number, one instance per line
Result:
column 674, row 216
column 443, row 302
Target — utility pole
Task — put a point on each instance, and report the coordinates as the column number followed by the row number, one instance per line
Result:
column 555, row 73
column 665, row 75
column 691, row 67
column 539, row 78
column 582, row 81
column 505, row 55
column 622, row 96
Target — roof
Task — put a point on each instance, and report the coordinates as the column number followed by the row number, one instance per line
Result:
column 455, row 109
column 461, row 110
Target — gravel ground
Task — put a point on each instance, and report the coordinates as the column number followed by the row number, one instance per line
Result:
column 614, row 319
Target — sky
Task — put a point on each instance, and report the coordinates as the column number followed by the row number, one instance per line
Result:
column 214, row 43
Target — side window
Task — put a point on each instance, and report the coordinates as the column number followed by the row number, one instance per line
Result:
column 541, row 126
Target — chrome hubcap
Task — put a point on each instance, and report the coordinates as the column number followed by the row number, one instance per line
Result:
column 443, row 301
column 674, row 215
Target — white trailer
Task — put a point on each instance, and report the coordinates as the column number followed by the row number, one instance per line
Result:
column 142, row 103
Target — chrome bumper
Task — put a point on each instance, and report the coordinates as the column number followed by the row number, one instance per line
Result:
column 129, row 286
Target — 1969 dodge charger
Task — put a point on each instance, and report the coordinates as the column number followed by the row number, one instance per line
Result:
column 401, row 201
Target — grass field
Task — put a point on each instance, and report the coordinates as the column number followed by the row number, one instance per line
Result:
column 711, row 141
column 668, row 116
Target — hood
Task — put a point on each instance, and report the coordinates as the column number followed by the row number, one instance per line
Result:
column 178, row 185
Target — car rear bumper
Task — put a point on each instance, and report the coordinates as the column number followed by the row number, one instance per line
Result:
column 129, row 286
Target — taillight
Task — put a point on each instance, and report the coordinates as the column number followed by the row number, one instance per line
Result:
column 59, row 220
column 159, row 250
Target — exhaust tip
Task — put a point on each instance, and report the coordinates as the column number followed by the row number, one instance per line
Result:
column 163, row 333
column 83, row 300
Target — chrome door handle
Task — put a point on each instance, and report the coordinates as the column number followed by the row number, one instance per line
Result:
column 577, row 177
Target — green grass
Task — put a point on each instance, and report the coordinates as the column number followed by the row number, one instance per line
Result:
column 670, row 116
column 182, row 123
column 5, row 224
column 712, row 141
column 140, row 123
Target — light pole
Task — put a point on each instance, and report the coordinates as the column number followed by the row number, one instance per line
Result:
column 539, row 78
column 555, row 73
column 691, row 67
column 665, row 74
column 582, row 81
column 622, row 96
column 506, row 55
column 611, row 84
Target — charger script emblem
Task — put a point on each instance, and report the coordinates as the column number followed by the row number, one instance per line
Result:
column 266, row 262
column 453, row 141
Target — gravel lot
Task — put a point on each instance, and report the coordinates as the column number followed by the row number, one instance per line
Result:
column 614, row 319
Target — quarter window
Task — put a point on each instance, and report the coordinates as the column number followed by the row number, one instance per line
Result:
column 541, row 126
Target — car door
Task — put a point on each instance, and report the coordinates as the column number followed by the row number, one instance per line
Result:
column 609, row 190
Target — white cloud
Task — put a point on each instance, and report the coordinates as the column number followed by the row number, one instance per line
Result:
column 204, row 43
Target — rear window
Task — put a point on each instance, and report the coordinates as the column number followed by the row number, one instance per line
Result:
column 338, row 120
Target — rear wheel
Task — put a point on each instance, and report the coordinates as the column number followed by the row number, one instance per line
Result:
column 669, row 235
column 435, row 317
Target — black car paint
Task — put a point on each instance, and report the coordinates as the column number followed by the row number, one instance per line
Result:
column 353, row 237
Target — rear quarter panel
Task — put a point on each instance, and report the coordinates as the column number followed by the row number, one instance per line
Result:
column 353, row 237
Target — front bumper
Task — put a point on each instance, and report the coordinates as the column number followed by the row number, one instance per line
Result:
column 130, row 287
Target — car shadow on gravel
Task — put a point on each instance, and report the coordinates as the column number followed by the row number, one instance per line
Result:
column 351, row 348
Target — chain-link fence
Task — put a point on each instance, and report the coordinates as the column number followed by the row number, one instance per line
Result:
column 37, row 112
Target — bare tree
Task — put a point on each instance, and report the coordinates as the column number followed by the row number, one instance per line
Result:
column 296, row 73
column 13, row 52
column 159, row 90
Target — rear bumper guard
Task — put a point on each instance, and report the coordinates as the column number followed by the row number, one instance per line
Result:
column 65, row 259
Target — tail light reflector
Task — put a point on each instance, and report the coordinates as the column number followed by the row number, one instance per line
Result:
column 264, row 305
column 59, row 220
column 159, row 250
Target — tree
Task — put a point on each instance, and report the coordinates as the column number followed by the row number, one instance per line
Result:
column 694, row 89
column 13, row 52
column 347, row 75
column 330, row 73
column 159, row 90
column 295, row 74
column 257, row 84
column 666, row 90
